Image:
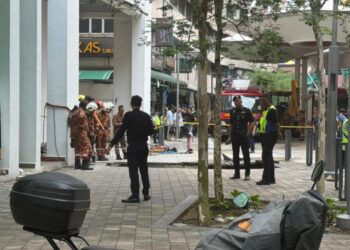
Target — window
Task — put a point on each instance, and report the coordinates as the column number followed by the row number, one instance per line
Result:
column 96, row 25
column 108, row 26
column 84, row 25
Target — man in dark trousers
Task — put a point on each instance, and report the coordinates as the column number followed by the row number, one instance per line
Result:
column 242, row 124
column 268, row 129
column 139, row 126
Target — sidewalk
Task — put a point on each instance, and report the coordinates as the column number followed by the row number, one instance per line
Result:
column 113, row 224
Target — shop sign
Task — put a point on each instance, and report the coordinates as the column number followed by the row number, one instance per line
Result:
column 170, row 62
column 164, row 32
column 96, row 47
column 185, row 65
column 157, row 61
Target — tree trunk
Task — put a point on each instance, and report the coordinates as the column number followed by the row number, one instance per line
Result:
column 219, row 195
column 200, row 10
column 320, row 152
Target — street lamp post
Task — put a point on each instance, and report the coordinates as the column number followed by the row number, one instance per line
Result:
column 177, row 94
column 333, row 64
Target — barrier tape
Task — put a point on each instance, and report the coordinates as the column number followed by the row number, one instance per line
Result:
column 228, row 125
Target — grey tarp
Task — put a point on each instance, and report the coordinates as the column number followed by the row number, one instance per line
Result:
column 263, row 234
column 303, row 222
column 297, row 225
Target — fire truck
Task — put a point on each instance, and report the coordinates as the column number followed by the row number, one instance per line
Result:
column 250, row 98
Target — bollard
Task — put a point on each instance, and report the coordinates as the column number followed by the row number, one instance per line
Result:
column 309, row 146
column 288, row 144
column 161, row 136
column 343, row 220
column 338, row 163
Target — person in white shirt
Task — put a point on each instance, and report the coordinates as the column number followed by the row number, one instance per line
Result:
column 169, row 122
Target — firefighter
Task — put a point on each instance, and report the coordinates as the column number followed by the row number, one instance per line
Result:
column 103, row 134
column 91, row 108
column 117, row 122
column 79, row 136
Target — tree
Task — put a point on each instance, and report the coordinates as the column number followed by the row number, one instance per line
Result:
column 219, row 195
column 200, row 12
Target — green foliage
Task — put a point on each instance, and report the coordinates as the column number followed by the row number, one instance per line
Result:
column 220, row 205
column 235, row 192
column 267, row 47
column 333, row 211
column 271, row 80
column 255, row 201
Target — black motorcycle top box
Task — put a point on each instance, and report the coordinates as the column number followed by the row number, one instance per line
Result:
column 50, row 202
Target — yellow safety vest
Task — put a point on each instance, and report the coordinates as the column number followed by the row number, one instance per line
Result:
column 345, row 131
column 263, row 121
column 157, row 121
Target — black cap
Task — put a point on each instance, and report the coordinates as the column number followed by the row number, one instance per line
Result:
column 237, row 97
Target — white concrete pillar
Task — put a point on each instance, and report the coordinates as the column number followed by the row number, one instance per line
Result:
column 43, row 121
column 63, row 73
column 122, row 61
column 141, row 58
column 9, row 84
column 30, row 82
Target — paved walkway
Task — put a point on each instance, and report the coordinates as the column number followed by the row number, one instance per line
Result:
column 113, row 224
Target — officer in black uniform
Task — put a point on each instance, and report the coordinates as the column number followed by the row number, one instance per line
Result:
column 242, row 123
column 139, row 126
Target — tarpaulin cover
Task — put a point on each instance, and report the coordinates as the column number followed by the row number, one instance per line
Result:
column 281, row 225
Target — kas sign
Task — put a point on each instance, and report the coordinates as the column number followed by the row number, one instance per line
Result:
column 96, row 47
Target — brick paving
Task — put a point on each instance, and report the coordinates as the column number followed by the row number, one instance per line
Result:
column 110, row 223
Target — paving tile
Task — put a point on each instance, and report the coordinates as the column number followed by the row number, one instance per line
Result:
column 111, row 223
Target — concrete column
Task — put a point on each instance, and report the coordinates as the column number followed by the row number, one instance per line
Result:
column 303, row 97
column 141, row 58
column 30, row 81
column 9, row 84
column 43, row 120
column 122, row 61
column 63, row 73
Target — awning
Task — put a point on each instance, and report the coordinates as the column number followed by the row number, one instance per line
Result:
column 166, row 79
column 96, row 75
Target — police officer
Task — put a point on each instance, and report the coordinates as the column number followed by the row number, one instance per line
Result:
column 268, row 129
column 242, row 123
column 139, row 126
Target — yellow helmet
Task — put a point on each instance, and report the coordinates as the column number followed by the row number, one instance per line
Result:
column 81, row 98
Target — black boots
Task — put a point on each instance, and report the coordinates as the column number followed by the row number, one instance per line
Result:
column 119, row 157
column 77, row 164
column 85, row 165
column 125, row 155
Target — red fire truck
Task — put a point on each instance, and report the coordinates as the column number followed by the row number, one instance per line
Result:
column 250, row 99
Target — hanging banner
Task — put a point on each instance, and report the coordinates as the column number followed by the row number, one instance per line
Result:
column 164, row 32
column 185, row 65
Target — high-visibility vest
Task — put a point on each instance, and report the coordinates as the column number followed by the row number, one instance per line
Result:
column 157, row 121
column 263, row 121
column 345, row 131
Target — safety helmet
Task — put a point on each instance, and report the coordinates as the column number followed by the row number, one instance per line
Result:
column 92, row 106
column 107, row 106
column 81, row 98
column 110, row 105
